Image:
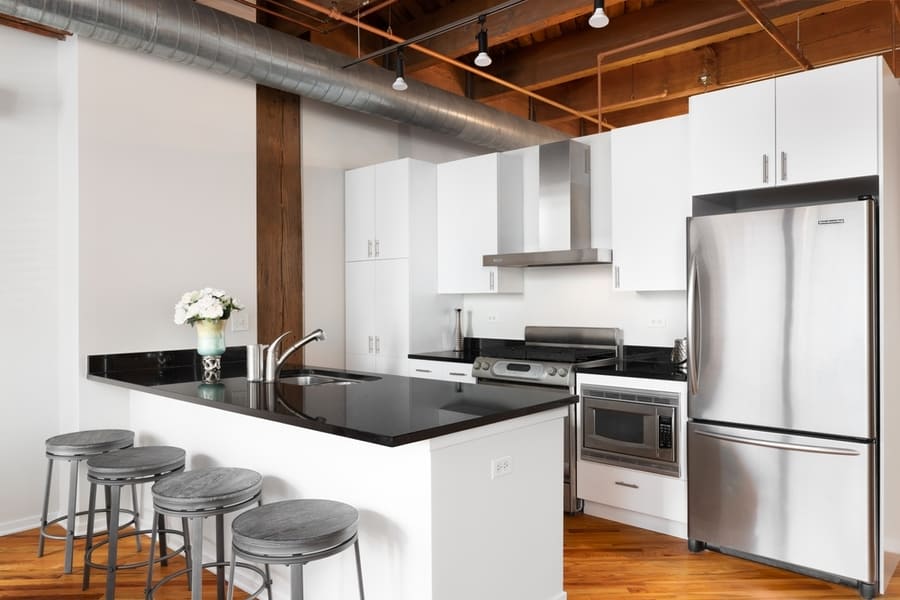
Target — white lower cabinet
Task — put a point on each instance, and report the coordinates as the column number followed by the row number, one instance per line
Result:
column 444, row 370
column 378, row 315
column 632, row 496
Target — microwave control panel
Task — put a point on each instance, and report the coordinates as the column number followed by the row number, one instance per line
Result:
column 665, row 433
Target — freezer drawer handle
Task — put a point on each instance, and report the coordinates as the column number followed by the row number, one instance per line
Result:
column 779, row 445
column 628, row 485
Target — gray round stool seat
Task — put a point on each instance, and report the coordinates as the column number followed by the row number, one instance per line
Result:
column 74, row 448
column 194, row 495
column 113, row 470
column 295, row 532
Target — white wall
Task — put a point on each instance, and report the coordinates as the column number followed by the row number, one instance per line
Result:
column 29, row 270
column 334, row 140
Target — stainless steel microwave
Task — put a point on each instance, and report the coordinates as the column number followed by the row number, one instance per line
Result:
column 630, row 428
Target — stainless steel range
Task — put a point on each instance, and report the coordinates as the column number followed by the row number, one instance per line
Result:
column 549, row 356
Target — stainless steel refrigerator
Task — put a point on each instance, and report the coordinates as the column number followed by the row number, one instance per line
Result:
column 782, row 372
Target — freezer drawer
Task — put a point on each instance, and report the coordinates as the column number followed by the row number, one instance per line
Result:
column 795, row 499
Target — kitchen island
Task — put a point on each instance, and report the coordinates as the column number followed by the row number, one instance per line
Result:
column 458, row 485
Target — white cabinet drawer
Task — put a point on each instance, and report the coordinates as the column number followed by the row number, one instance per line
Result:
column 638, row 491
column 443, row 370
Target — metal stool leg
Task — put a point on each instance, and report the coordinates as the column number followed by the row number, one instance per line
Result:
column 89, row 536
column 44, row 509
column 137, row 516
column 196, row 527
column 163, row 547
column 70, row 521
column 186, row 536
column 220, row 557
column 113, row 537
column 153, row 532
column 297, row 581
column 362, row 594
column 231, row 576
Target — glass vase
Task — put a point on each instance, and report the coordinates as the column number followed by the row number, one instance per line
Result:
column 210, row 337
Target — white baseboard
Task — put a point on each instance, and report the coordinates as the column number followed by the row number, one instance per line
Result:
column 636, row 519
column 23, row 524
column 560, row 596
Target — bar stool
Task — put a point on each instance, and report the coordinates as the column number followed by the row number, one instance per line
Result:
column 131, row 466
column 74, row 448
column 295, row 532
column 195, row 495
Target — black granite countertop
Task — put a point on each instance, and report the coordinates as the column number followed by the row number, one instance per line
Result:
column 651, row 362
column 386, row 410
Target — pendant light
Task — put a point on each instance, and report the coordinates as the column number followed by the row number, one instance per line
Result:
column 599, row 18
column 482, row 59
column 399, row 83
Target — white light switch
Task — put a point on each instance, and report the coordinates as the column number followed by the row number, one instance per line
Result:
column 240, row 321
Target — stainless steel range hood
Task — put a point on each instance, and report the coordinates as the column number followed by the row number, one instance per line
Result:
column 564, row 212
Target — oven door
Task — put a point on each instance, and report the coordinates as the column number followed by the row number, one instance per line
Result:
column 629, row 428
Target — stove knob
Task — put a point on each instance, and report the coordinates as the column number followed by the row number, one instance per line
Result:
column 476, row 365
column 551, row 371
column 485, row 366
column 562, row 373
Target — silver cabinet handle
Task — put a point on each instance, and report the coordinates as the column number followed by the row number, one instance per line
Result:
column 423, row 370
column 784, row 166
column 457, row 374
column 371, row 342
column 377, row 248
column 693, row 328
column 778, row 445
column 616, row 283
column 633, row 486
column 369, row 254
column 492, row 281
column 377, row 345
column 765, row 168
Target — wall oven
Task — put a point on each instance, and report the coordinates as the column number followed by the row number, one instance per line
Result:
column 630, row 428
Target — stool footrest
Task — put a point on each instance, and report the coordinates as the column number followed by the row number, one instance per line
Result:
column 148, row 593
column 81, row 513
column 104, row 566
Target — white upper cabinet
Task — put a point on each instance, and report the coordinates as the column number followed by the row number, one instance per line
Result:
column 812, row 126
column 732, row 138
column 376, row 204
column 651, row 198
column 479, row 203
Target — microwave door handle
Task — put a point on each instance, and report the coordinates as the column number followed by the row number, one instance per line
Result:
column 694, row 316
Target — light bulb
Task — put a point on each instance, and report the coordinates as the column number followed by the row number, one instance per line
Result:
column 598, row 19
column 483, row 60
column 399, row 84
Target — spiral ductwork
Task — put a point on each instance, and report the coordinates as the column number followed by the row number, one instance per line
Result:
column 190, row 33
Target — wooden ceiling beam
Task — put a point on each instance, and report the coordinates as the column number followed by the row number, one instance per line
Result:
column 505, row 26
column 679, row 25
column 775, row 33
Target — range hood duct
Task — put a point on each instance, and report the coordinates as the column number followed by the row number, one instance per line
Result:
column 564, row 212
column 190, row 33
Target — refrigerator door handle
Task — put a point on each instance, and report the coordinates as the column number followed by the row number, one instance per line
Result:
column 778, row 445
column 693, row 323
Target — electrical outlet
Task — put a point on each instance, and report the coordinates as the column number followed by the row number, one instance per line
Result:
column 240, row 321
column 656, row 323
column 491, row 318
column 501, row 467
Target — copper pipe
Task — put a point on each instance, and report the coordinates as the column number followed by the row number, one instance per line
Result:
column 31, row 27
column 365, row 13
column 448, row 60
column 775, row 33
column 284, row 17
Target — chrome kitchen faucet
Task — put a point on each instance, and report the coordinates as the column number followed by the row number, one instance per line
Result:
column 274, row 362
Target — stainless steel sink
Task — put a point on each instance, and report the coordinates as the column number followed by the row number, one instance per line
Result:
column 324, row 377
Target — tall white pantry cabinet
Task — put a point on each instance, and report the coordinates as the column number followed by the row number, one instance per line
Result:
column 390, row 251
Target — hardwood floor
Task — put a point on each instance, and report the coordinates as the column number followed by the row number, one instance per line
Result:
column 603, row 560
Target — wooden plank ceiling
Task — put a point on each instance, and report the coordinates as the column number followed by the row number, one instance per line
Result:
column 644, row 65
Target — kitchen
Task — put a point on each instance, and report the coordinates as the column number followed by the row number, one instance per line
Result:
column 112, row 241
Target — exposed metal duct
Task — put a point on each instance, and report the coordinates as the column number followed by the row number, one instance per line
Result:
column 190, row 33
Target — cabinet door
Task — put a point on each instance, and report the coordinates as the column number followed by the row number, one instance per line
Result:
column 360, row 314
column 732, row 133
column 651, row 199
column 359, row 213
column 391, row 302
column 467, row 224
column 827, row 122
column 392, row 197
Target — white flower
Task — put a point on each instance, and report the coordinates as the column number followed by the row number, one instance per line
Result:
column 206, row 303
